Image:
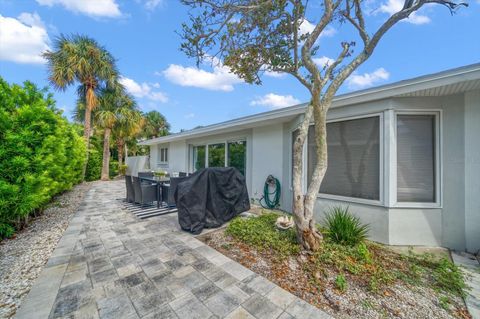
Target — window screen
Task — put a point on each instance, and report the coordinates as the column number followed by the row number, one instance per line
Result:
column 353, row 158
column 416, row 158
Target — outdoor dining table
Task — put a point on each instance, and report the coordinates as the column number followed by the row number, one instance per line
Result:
column 159, row 181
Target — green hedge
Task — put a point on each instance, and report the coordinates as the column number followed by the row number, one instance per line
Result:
column 41, row 153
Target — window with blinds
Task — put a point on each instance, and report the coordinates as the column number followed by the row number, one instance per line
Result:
column 162, row 156
column 416, row 158
column 353, row 158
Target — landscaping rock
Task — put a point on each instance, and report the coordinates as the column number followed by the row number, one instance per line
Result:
column 23, row 257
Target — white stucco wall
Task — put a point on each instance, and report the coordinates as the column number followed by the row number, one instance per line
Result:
column 472, row 171
column 454, row 222
column 267, row 150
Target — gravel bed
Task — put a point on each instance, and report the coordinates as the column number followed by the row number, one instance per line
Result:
column 22, row 258
column 397, row 301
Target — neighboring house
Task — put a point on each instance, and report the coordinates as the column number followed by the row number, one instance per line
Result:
column 405, row 157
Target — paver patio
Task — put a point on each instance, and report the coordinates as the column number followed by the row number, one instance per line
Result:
column 110, row 264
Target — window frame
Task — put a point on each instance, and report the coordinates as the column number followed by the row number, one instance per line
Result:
column 438, row 122
column 213, row 142
column 381, row 155
column 373, row 202
column 160, row 160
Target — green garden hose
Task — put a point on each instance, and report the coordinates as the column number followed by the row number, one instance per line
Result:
column 273, row 183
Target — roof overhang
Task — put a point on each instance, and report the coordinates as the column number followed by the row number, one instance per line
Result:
column 449, row 82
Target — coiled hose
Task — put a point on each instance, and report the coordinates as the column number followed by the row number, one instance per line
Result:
column 274, row 184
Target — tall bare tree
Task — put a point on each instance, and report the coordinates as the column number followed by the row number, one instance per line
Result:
column 254, row 36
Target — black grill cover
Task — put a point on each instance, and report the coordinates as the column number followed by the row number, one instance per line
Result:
column 211, row 197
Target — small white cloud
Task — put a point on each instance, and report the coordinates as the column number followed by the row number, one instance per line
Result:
column 323, row 61
column 151, row 5
column 308, row 27
column 220, row 79
column 143, row 90
column 275, row 101
column 393, row 6
column 189, row 115
column 360, row 81
column 277, row 75
column 93, row 8
column 23, row 39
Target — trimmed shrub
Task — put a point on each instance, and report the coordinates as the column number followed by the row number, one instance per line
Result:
column 343, row 228
column 41, row 153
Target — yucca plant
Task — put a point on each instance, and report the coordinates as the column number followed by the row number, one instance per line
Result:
column 344, row 228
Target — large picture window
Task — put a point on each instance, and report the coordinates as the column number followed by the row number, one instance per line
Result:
column 416, row 158
column 216, row 155
column 353, row 158
column 231, row 153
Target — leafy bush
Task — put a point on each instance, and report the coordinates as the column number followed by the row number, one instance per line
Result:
column 344, row 228
column 450, row 278
column 123, row 169
column 6, row 231
column 41, row 154
column 341, row 282
column 261, row 232
column 94, row 165
column 113, row 171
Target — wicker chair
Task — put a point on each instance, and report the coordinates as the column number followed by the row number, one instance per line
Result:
column 144, row 193
column 168, row 190
column 130, row 190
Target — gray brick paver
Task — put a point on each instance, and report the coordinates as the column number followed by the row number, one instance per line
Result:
column 109, row 264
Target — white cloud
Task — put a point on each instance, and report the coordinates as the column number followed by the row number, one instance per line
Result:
column 393, row 6
column 323, row 61
column 189, row 115
column 93, row 8
column 360, row 81
column 277, row 75
column 220, row 79
column 308, row 27
column 23, row 39
column 143, row 90
column 153, row 4
column 275, row 101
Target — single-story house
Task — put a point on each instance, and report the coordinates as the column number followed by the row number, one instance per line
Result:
column 405, row 157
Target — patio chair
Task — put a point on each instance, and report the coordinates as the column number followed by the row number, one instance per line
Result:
column 144, row 193
column 130, row 190
column 168, row 190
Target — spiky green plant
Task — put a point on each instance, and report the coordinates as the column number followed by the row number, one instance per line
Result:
column 344, row 228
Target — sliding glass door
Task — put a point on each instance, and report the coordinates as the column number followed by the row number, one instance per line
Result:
column 199, row 157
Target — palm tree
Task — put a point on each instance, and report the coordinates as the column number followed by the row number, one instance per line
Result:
column 81, row 59
column 156, row 125
column 112, row 104
column 128, row 126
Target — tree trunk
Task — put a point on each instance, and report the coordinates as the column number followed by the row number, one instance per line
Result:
column 89, row 105
column 106, row 155
column 304, row 201
column 120, row 153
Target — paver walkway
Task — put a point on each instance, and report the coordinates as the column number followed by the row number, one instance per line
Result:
column 471, row 266
column 109, row 264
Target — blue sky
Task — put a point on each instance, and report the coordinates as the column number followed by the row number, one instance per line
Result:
column 141, row 35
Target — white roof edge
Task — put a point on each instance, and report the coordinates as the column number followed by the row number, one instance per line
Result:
column 465, row 73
